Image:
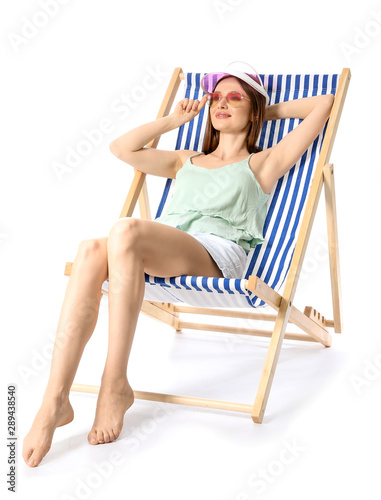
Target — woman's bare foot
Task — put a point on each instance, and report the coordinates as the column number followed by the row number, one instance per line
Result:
column 113, row 401
column 52, row 414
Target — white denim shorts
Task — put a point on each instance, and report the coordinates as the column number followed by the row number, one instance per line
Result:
column 230, row 257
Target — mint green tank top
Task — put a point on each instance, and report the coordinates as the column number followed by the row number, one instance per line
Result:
column 225, row 201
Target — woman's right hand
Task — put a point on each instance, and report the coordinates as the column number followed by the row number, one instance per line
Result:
column 187, row 109
column 130, row 145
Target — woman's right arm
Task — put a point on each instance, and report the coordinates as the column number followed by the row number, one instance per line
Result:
column 130, row 146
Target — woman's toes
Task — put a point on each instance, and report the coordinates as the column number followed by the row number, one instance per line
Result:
column 29, row 460
column 111, row 407
column 100, row 437
column 26, row 455
column 33, row 454
column 38, row 441
column 35, row 459
column 106, row 437
column 92, row 437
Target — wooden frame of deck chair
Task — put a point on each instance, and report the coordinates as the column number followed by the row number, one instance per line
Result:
column 259, row 287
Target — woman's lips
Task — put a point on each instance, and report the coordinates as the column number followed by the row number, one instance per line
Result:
column 222, row 115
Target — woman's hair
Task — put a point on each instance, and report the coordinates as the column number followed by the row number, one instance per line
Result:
column 258, row 104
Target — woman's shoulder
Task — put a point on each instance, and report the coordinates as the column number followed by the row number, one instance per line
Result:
column 185, row 154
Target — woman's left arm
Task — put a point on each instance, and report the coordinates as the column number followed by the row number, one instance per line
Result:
column 314, row 111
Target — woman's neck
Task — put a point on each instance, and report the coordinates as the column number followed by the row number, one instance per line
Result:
column 231, row 146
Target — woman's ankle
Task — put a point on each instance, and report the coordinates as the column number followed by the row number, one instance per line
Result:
column 56, row 395
column 116, row 381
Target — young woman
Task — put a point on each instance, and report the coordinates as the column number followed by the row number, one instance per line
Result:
column 176, row 243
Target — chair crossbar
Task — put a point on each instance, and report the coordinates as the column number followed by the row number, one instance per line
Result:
column 171, row 398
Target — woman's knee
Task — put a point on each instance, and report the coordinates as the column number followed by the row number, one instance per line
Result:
column 124, row 234
column 95, row 247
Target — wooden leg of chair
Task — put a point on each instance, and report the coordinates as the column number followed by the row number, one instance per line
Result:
column 330, row 201
column 271, row 362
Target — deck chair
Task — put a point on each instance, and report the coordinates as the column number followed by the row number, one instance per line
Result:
column 274, row 263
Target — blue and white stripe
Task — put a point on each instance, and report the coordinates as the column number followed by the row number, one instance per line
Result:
column 271, row 260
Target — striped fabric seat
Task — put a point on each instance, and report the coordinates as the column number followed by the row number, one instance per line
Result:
column 271, row 260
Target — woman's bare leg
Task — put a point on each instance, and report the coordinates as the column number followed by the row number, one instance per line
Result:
column 136, row 246
column 76, row 324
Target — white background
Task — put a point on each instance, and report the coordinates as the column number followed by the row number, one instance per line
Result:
column 66, row 78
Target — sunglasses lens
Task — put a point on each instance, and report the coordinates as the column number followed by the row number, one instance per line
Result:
column 213, row 99
column 233, row 98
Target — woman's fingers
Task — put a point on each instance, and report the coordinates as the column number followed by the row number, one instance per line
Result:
column 189, row 108
column 202, row 102
column 196, row 105
column 190, row 105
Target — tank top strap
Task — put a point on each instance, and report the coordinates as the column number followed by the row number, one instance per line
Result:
column 196, row 154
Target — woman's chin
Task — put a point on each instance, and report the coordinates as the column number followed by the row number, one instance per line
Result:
column 222, row 124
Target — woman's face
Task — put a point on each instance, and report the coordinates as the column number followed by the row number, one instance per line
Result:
column 226, row 118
